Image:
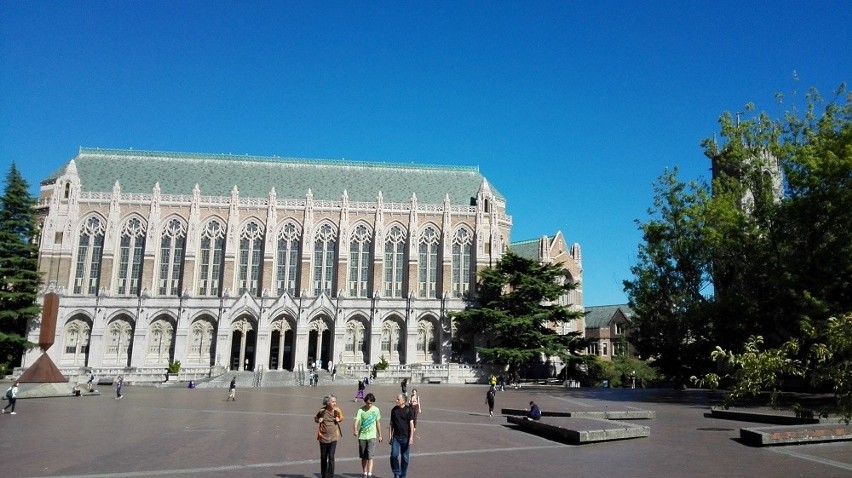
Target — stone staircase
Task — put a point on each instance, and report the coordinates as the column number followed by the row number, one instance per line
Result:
column 273, row 378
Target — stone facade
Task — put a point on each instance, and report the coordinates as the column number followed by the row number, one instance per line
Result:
column 172, row 256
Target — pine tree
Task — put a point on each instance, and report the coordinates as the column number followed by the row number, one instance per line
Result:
column 19, row 276
column 515, row 310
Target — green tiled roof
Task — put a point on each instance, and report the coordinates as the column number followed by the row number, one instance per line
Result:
column 254, row 176
column 528, row 249
column 600, row 315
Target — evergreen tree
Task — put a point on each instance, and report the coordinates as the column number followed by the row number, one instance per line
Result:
column 20, row 281
column 516, row 311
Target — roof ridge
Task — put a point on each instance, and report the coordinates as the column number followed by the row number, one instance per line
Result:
column 274, row 159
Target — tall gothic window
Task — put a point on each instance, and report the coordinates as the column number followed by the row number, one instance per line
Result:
column 89, row 256
column 359, row 262
column 251, row 255
column 427, row 266
column 211, row 257
column 172, row 246
column 462, row 241
column 394, row 262
column 288, row 259
column 325, row 244
column 131, row 250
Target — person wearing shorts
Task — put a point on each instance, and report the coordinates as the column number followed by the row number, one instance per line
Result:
column 368, row 429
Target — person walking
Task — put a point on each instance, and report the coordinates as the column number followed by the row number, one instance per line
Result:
column 119, row 384
column 367, row 427
column 404, row 387
column 232, row 390
column 489, row 399
column 359, row 395
column 12, row 396
column 90, row 384
column 328, row 432
column 401, row 432
column 333, row 373
column 414, row 405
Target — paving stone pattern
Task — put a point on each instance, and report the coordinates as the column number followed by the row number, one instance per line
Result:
column 269, row 432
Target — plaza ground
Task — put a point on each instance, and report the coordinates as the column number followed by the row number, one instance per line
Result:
column 269, row 432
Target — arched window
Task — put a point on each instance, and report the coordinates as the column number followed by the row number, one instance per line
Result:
column 160, row 343
column 210, row 258
column 359, row 262
column 426, row 342
column 288, row 259
column 462, row 241
column 427, row 266
column 76, row 343
column 201, row 338
column 325, row 244
column 172, row 246
column 394, row 262
column 354, row 342
column 392, row 341
column 119, row 342
column 89, row 256
column 131, row 250
column 251, row 256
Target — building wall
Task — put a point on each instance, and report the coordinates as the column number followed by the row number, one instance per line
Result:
column 272, row 329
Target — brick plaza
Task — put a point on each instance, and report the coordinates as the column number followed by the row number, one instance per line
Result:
column 269, row 432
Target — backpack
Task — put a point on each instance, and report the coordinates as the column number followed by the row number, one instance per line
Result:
column 9, row 393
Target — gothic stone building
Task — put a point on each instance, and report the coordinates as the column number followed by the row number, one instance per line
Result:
column 250, row 263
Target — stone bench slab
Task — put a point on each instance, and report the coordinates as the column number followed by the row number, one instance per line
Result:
column 768, row 436
column 757, row 416
column 580, row 431
column 604, row 415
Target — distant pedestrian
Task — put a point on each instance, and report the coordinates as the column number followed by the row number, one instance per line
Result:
column 12, row 396
column 90, row 384
column 333, row 373
column 502, row 382
column 119, row 384
column 414, row 404
column 404, row 388
column 359, row 395
column 489, row 399
column 367, row 427
column 232, row 390
column 401, row 437
column 328, row 432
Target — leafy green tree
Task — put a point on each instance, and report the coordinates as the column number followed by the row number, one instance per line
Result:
column 620, row 371
column 671, row 275
column 823, row 353
column 516, row 311
column 18, row 267
column 775, row 249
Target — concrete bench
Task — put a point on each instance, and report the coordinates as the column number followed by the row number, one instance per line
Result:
column 434, row 381
column 607, row 415
column 579, row 435
column 767, row 436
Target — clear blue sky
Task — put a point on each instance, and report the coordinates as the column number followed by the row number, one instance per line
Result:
column 571, row 109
